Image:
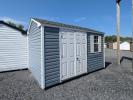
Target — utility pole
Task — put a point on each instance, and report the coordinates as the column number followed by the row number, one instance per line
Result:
column 118, row 29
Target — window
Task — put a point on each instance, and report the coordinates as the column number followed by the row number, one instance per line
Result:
column 95, row 43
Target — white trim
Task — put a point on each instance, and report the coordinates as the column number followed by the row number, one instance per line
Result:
column 92, row 44
column 38, row 24
column 42, row 59
column 60, row 52
column 103, row 51
column 28, row 51
column 99, row 43
column 75, row 51
column 86, row 53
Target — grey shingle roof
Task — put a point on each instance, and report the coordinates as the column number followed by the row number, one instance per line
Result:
column 46, row 22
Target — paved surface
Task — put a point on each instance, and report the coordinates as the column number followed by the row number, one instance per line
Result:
column 112, row 83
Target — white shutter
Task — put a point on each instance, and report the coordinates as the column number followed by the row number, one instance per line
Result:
column 92, row 43
column 99, row 43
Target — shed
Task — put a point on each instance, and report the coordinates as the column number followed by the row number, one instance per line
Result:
column 125, row 46
column 13, row 48
column 59, row 52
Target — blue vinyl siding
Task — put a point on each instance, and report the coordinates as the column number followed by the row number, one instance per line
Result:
column 52, row 57
column 95, row 61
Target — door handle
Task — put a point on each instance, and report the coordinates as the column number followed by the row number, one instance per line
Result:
column 77, row 59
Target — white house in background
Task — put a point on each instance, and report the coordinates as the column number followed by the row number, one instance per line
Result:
column 125, row 46
column 13, row 48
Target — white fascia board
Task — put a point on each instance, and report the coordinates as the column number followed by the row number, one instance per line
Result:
column 42, row 59
column 38, row 24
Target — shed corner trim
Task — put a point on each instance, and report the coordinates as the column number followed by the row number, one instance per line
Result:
column 42, row 59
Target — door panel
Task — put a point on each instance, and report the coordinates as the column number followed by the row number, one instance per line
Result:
column 71, row 50
column 64, row 70
column 78, row 53
column 64, row 46
column 81, row 56
column 78, row 49
column 71, row 54
column 67, row 55
column 84, row 52
column 72, row 67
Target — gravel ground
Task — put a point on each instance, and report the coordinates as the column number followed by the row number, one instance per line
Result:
column 111, row 55
column 113, row 83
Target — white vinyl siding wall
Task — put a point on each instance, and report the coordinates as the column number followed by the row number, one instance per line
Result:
column 13, row 49
column 34, row 39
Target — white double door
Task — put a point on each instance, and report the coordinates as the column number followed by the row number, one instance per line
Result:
column 73, row 48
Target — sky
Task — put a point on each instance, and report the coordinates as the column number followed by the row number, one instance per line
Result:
column 95, row 14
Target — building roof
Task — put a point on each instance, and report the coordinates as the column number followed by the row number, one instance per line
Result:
column 125, row 42
column 46, row 22
column 14, row 27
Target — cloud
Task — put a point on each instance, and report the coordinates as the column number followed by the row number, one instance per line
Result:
column 80, row 19
column 7, row 19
